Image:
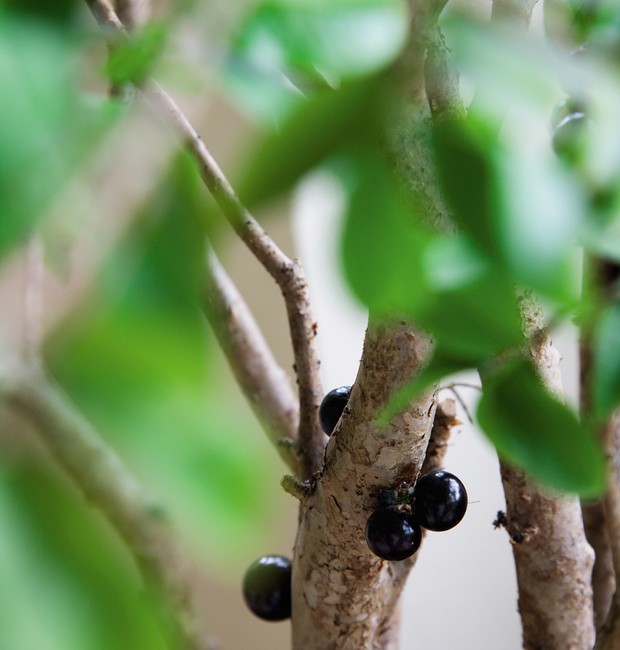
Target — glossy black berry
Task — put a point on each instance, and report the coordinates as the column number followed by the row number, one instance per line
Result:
column 393, row 535
column 267, row 588
column 332, row 407
column 440, row 501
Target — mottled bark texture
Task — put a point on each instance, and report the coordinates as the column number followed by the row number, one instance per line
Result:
column 343, row 595
column 553, row 559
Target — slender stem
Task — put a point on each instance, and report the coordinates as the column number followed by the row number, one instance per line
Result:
column 132, row 13
column 109, row 485
column 262, row 380
column 287, row 273
column 33, row 297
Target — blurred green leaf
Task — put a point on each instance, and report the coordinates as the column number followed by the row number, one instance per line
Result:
column 440, row 366
column 516, row 204
column 606, row 363
column 65, row 568
column 341, row 39
column 136, row 358
column 133, row 60
column 535, row 431
column 61, row 12
column 397, row 267
column 381, row 248
column 315, row 131
column 45, row 127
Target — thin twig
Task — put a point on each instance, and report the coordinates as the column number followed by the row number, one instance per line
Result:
column 609, row 636
column 108, row 484
column 262, row 380
column 33, row 297
column 133, row 13
column 287, row 272
column 461, row 401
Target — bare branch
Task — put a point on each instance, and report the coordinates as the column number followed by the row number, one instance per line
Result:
column 262, row 380
column 609, row 636
column 287, row 273
column 133, row 13
column 107, row 483
column 552, row 557
column 33, row 297
column 296, row 488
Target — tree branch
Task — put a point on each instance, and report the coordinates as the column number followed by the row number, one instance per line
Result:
column 609, row 636
column 262, row 380
column 107, row 483
column 342, row 592
column 442, row 82
column 132, row 13
column 287, row 273
column 552, row 557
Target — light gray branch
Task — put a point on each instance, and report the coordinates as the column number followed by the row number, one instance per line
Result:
column 133, row 13
column 553, row 559
column 110, row 487
column 287, row 272
column 262, row 380
column 609, row 636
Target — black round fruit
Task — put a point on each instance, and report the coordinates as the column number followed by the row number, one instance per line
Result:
column 440, row 501
column 393, row 535
column 267, row 588
column 332, row 407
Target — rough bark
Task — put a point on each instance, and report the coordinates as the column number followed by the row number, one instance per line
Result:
column 553, row 559
column 609, row 637
column 342, row 593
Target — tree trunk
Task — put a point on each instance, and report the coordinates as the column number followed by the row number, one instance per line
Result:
column 345, row 597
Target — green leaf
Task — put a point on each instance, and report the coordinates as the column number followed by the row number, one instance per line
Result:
column 342, row 39
column 65, row 567
column 381, row 248
column 133, row 60
column 396, row 266
column 315, row 131
column 137, row 359
column 515, row 203
column 538, row 433
column 475, row 321
column 467, row 174
column 606, row 363
column 46, row 129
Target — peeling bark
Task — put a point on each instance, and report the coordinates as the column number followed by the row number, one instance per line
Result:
column 342, row 592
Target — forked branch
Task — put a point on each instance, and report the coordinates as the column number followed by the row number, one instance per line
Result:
column 262, row 380
column 287, row 272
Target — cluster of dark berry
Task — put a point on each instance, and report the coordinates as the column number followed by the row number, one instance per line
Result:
column 393, row 532
column 570, row 120
column 438, row 502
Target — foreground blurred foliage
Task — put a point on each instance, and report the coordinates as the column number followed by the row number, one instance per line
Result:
column 522, row 213
column 136, row 355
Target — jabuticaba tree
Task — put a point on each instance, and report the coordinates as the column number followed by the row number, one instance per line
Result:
column 463, row 213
